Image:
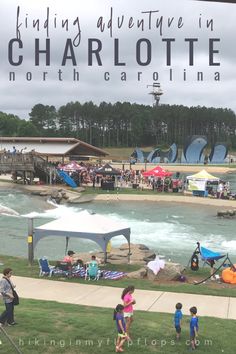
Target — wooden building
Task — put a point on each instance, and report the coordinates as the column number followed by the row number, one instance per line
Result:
column 29, row 157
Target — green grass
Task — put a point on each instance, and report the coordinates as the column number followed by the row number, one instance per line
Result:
column 21, row 268
column 123, row 153
column 98, row 190
column 130, row 191
column 50, row 327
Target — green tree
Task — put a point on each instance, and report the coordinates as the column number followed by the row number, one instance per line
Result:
column 44, row 118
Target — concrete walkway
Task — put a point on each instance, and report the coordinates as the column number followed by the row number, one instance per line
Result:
column 92, row 294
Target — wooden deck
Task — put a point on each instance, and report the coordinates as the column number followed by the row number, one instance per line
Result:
column 22, row 165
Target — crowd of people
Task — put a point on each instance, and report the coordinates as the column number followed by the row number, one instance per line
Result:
column 126, row 178
column 130, row 178
column 223, row 190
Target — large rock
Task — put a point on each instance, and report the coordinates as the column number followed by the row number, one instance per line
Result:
column 140, row 254
column 64, row 195
column 44, row 194
column 226, row 213
column 139, row 246
column 82, row 199
column 41, row 192
column 170, row 272
column 79, row 189
column 56, row 195
column 139, row 274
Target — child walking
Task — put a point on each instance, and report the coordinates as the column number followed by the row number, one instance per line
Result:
column 128, row 302
column 177, row 319
column 193, row 327
column 121, row 327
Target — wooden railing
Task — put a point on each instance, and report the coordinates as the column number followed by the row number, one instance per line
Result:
column 10, row 162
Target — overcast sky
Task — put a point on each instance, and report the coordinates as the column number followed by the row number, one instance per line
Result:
column 32, row 85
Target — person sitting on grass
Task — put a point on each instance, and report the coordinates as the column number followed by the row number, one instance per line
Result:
column 118, row 316
column 177, row 319
column 71, row 260
column 93, row 260
column 193, row 327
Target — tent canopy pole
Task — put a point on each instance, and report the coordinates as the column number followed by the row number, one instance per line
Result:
column 67, row 243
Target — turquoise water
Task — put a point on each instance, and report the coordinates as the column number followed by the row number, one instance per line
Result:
column 171, row 230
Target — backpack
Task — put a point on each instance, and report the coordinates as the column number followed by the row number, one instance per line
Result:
column 194, row 262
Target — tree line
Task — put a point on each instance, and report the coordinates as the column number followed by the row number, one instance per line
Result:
column 124, row 124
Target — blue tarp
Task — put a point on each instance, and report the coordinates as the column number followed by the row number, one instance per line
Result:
column 208, row 255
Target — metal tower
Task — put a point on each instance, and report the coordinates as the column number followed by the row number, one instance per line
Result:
column 156, row 93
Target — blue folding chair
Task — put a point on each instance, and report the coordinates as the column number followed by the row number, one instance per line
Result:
column 45, row 268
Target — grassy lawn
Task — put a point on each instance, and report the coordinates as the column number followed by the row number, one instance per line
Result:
column 21, row 268
column 49, row 327
column 123, row 153
column 98, row 190
column 129, row 191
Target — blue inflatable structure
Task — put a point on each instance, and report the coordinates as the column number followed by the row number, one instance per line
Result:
column 218, row 153
column 193, row 150
column 192, row 153
column 156, row 155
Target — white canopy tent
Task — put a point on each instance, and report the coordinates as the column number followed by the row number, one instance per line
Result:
column 95, row 227
column 198, row 181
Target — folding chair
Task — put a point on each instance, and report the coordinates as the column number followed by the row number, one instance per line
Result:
column 45, row 268
column 208, row 257
column 92, row 271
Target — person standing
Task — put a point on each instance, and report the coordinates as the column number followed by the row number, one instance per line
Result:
column 6, row 289
column 220, row 189
column 193, row 327
column 177, row 319
column 128, row 302
column 121, row 327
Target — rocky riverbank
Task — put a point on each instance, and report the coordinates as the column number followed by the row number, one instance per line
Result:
column 65, row 194
column 140, row 255
column 226, row 213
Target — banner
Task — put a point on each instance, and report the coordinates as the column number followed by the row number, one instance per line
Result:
column 199, row 185
column 54, row 52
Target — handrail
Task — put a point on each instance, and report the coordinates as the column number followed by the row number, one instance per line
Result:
column 10, row 340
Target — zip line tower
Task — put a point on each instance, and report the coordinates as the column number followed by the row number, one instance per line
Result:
column 156, row 93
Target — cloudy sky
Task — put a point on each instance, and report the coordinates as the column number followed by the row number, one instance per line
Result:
column 90, row 21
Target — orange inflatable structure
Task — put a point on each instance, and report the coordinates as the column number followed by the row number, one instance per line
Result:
column 229, row 275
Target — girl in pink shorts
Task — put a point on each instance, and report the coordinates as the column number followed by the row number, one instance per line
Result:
column 128, row 302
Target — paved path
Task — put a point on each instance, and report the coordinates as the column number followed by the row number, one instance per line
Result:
column 92, row 294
